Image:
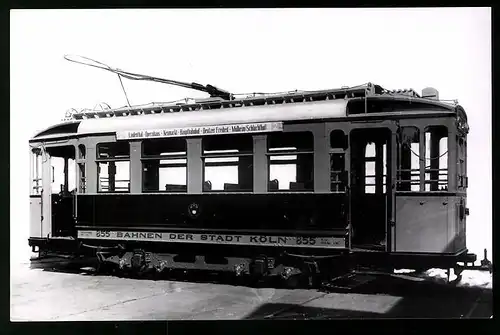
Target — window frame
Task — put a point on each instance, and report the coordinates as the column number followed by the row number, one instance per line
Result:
column 206, row 184
column 426, row 184
column 412, row 172
column 165, row 157
column 297, row 152
column 341, row 181
column 462, row 179
column 428, row 168
column 100, row 160
column 62, row 156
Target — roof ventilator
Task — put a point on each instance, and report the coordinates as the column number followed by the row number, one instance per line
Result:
column 430, row 93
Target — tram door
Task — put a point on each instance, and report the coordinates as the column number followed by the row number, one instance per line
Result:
column 40, row 193
column 53, row 177
column 370, row 201
column 63, row 187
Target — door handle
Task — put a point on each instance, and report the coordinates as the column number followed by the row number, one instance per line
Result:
column 41, row 205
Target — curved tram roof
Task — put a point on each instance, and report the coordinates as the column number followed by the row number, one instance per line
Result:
column 297, row 106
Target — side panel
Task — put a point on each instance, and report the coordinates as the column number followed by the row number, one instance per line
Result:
column 35, row 216
column 214, row 211
column 458, row 222
column 62, row 215
column 422, row 224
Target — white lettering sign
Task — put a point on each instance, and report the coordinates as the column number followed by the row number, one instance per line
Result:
column 246, row 128
column 258, row 240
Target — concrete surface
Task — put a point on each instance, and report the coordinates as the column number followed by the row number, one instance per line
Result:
column 56, row 293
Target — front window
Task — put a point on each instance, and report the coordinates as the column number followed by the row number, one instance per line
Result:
column 436, row 158
column 408, row 172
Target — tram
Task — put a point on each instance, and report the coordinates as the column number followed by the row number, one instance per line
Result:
column 297, row 183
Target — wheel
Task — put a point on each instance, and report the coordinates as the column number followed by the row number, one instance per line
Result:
column 314, row 282
column 294, row 281
column 42, row 254
column 248, row 280
column 105, row 268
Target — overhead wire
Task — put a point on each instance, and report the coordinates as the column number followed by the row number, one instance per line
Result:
column 103, row 67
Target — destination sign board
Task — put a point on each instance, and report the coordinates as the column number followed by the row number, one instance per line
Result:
column 245, row 128
column 234, row 239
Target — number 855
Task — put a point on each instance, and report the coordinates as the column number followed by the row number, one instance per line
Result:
column 306, row 240
column 102, row 233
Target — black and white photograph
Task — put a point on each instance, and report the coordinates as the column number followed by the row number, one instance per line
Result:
column 250, row 164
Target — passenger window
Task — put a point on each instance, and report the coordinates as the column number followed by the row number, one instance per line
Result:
column 164, row 165
column 82, row 152
column 338, row 145
column 83, row 178
column 113, row 167
column 291, row 161
column 338, row 139
column 113, row 150
column 228, row 163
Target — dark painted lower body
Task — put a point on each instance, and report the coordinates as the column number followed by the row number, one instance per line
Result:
column 271, row 214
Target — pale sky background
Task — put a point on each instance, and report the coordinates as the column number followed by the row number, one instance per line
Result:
column 248, row 50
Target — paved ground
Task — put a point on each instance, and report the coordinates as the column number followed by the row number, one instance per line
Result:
column 61, row 294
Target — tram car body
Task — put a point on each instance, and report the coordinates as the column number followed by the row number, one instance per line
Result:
column 376, row 178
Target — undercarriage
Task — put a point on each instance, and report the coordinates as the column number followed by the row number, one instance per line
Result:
column 295, row 268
